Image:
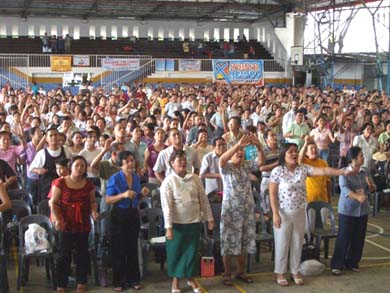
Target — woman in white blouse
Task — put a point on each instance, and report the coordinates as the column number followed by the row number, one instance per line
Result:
column 184, row 205
column 287, row 189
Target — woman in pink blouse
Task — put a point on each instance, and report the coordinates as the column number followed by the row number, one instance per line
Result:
column 322, row 137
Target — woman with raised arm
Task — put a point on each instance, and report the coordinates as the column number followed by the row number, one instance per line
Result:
column 238, row 225
column 287, row 188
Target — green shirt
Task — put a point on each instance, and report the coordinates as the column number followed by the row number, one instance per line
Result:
column 298, row 130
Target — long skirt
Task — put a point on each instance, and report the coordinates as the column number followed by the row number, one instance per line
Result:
column 183, row 251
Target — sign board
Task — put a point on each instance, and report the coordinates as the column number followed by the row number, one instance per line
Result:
column 120, row 64
column 189, row 65
column 81, row 61
column 238, row 71
column 60, row 63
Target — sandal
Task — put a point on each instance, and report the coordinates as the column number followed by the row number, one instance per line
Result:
column 118, row 289
column 244, row 278
column 195, row 290
column 60, row 290
column 81, row 288
column 176, row 291
column 282, row 281
column 137, row 286
column 297, row 280
column 227, row 280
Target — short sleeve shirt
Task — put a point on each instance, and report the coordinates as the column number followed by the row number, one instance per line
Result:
column 292, row 186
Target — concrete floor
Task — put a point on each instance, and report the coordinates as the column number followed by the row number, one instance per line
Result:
column 374, row 275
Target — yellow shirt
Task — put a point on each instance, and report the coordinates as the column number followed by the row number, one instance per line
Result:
column 163, row 102
column 316, row 186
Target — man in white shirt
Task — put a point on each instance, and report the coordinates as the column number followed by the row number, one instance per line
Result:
column 162, row 168
column 289, row 117
column 44, row 163
column 209, row 170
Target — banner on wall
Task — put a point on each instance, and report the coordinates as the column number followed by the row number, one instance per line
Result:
column 238, row 71
column 61, row 63
column 169, row 64
column 189, row 65
column 119, row 64
column 160, row 64
column 81, row 60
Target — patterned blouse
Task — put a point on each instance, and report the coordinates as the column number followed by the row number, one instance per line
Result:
column 292, row 186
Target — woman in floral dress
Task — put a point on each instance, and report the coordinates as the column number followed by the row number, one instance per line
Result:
column 238, row 207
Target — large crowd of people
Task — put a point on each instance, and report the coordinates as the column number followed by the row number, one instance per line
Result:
column 258, row 148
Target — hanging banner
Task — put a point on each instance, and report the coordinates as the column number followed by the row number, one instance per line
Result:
column 169, row 64
column 81, row 60
column 189, row 65
column 120, row 64
column 61, row 63
column 160, row 64
column 238, row 71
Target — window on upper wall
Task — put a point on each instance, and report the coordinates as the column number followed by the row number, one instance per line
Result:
column 3, row 31
column 246, row 33
column 150, row 33
column 15, row 31
column 191, row 34
column 92, row 32
column 76, row 32
column 181, row 34
column 236, row 34
column 42, row 30
column 206, row 36
column 53, row 30
column 216, row 34
column 114, row 32
column 65, row 30
column 171, row 35
column 136, row 31
column 226, row 34
column 30, row 31
column 161, row 34
column 125, row 31
column 103, row 32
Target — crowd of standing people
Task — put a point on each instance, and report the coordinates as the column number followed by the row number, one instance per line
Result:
column 261, row 148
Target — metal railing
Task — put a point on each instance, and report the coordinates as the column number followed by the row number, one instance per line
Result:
column 19, row 69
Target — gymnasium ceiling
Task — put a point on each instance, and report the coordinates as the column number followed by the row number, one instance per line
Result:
column 200, row 10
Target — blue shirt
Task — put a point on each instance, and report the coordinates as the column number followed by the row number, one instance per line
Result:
column 118, row 184
column 348, row 206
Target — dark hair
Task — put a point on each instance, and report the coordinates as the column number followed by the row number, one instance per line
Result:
column 266, row 134
column 176, row 154
column 123, row 155
column 283, row 150
column 76, row 132
column 365, row 125
column 33, row 130
column 352, row 154
column 215, row 139
column 76, row 158
column 52, row 128
column 64, row 162
column 201, row 131
column 238, row 119
column 251, row 128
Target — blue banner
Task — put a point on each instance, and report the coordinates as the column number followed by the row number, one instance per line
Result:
column 169, row 64
column 238, row 71
column 160, row 64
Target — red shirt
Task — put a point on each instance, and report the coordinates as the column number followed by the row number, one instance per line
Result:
column 75, row 206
